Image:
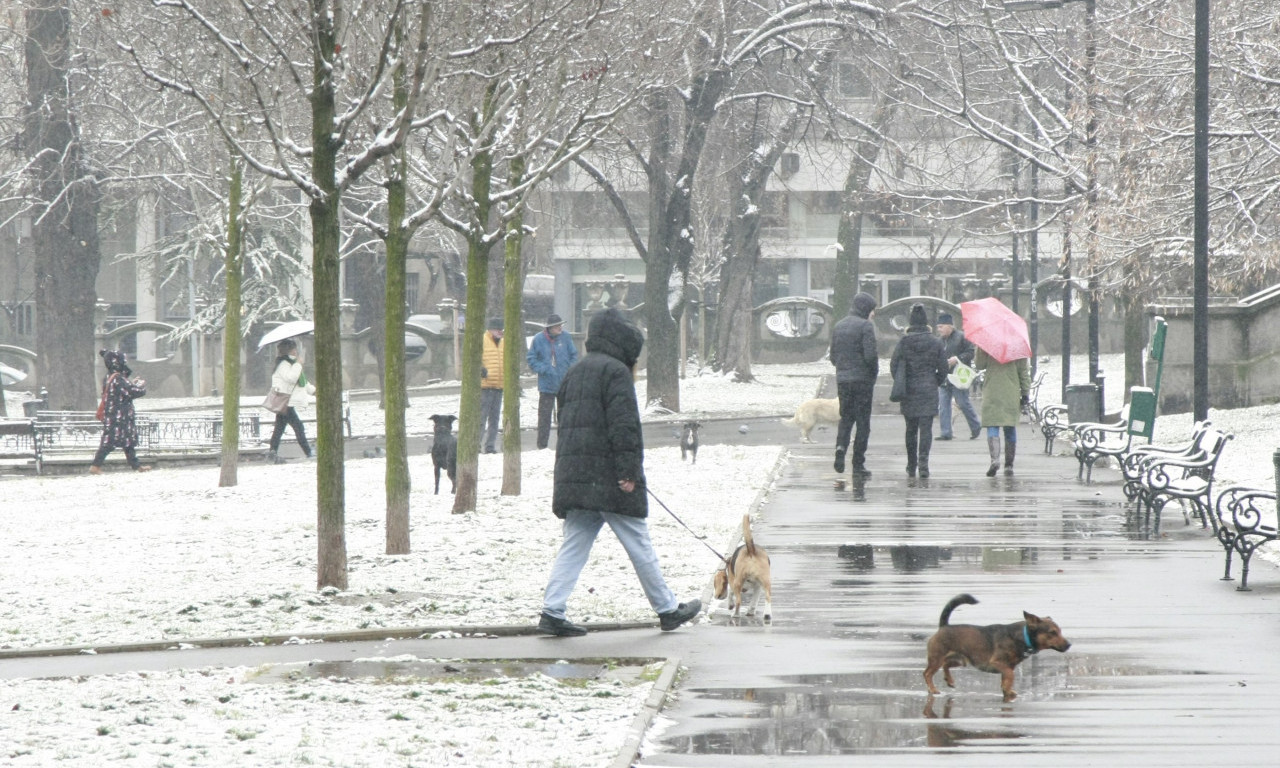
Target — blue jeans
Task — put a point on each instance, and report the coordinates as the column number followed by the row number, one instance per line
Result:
column 945, row 393
column 490, row 415
column 580, row 529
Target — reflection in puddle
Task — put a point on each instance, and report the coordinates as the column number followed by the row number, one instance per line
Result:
column 911, row 558
column 809, row 715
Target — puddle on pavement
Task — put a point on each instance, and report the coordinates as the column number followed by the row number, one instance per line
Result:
column 811, row 715
column 453, row 671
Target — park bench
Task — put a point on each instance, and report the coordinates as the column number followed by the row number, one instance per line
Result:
column 1246, row 518
column 1188, row 481
column 1096, row 442
column 1049, row 418
column 18, row 441
column 1133, row 463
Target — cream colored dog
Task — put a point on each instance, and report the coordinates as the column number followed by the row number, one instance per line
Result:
column 811, row 413
column 746, row 571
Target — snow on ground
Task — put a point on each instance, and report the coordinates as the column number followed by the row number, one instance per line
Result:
column 169, row 556
column 232, row 717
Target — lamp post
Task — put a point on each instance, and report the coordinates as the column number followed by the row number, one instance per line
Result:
column 1200, row 293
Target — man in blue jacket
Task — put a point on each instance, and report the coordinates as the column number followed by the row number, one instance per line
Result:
column 550, row 355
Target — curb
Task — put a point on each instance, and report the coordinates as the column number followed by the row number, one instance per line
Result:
column 336, row 636
column 630, row 751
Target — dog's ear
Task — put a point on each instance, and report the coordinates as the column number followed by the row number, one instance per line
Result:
column 721, row 584
column 1032, row 619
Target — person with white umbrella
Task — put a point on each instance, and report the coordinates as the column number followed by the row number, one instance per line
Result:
column 287, row 377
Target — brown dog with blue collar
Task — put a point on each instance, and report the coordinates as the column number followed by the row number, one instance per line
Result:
column 994, row 648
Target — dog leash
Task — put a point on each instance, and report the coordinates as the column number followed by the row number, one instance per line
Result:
column 702, row 539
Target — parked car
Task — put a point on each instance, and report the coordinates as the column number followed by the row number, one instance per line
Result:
column 415, row 345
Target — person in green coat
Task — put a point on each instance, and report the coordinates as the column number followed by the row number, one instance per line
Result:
column 1006, row 389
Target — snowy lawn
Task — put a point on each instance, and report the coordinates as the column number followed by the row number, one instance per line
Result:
column 232, row 717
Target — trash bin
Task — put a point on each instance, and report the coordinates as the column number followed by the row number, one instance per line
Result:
column 1142, row 412
column 1084, row 403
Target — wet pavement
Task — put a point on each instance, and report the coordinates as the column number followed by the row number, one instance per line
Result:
column 1169, row 665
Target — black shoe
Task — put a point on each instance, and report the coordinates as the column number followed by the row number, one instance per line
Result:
column 924, row 470
column 839, row 465
column 550, row 625
column 944, row 437
column 973, row 434
column 683, row 612
column 911, row 470
column 859, row 469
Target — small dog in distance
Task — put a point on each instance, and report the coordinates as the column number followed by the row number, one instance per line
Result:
column 811, row 413
column 444, row 450
column 996, row 648
column 746, row 575
column 689, row 441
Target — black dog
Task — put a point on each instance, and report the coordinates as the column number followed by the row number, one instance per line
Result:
column 689, row 441
column 444, row 450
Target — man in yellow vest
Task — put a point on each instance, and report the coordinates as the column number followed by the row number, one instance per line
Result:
column 491, row 384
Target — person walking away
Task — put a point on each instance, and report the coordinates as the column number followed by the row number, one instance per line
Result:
column 853, row 353
column 286, row 377
column 958, row 350
column 919, row 365
column 599, row 474
column 119, row 425
column 1006, row 388
column 550, row 355
column 491, row 384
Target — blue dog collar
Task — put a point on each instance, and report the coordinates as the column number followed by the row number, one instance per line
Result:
column 1026, row 638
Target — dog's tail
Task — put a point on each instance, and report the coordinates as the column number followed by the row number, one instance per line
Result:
column 748, row 542
column 954, row 603
column 789, row 420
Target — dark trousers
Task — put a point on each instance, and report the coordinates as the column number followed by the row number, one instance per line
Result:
column 546, row 407
column 919, row 439
column 490, row 416
column 130, row 455
column 855, row 411
column 289, row 417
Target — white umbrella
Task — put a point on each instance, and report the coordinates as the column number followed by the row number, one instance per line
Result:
column 11, row 375
column 286, row 331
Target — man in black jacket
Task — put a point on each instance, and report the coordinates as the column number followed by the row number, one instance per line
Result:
column 958, row 350
column 599, row 474
column 853, row 353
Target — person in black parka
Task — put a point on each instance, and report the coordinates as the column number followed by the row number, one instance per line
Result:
column 919, row 361
column 599, row 474
column 119, row 428
column 853, row 353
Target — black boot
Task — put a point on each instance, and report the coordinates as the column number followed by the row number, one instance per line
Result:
column 993, row 447
column 924, row 464
column 839, row 463
column 1010, row 448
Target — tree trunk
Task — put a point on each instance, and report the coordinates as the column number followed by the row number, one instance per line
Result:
column 394, row 394
column 231, row 341
column 671, row 245
column 331, row 570
column 514, row 349
column 65, row 228
column 866, row 151
column 477, row 298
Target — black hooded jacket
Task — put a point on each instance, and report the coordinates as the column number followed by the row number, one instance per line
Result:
column 853, row 344
column 598, row 439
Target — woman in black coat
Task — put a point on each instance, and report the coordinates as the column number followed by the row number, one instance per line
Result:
column 919, row 366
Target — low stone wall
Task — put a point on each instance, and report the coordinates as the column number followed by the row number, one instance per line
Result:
column 1244, row 352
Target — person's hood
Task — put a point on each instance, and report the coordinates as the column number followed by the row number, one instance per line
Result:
column 863, row 303
column 612, row 334
column 115, row 361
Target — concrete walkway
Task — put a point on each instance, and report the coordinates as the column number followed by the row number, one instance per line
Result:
column 1169, row 665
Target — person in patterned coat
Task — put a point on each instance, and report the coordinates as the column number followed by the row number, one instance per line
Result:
column 119, row 429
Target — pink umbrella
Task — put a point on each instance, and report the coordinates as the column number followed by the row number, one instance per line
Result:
column 996, row 329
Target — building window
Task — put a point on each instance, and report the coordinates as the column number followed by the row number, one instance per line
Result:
column 411, row 288
column 25, row 320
